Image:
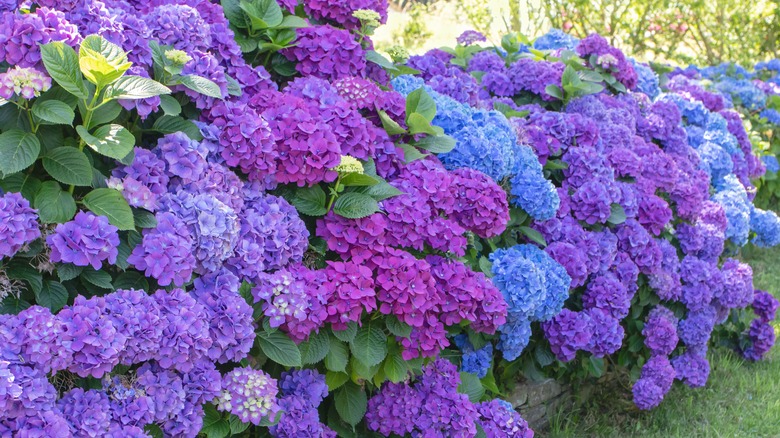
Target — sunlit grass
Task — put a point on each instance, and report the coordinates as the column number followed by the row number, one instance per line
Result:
column 741, row 399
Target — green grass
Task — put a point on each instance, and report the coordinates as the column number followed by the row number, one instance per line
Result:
column 741, row 399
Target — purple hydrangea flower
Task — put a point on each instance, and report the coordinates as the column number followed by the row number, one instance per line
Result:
column 89, row 332
column 765, row 305
column 327, row 52
column 231, row 325
column 272, row 237
column 567, row 332
column 166, row 252
column 185, row 330
column 88, row 412
column 660, row 331
column 138, row 316
column 84, row 241
column 18, row 224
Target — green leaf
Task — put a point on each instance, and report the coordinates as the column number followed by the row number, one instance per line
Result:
column 438, row 144
column 358, row 180
column 391, row 126
column 489, row 382
column 280, row 349
column 18, row 150
column 214, row 426
column 485, row 266
column 591, row 76
column 135, row 87
column 67, row 271
column 395, row 367
column 292, row 22
column 171, row 124
column 236, row 425
column 113, row 141
column 310, row 200
column 353, row 205
column 315, row 348
column 381, row 191
column 62, row 64
column 53, row 296
column 101, row 61
column 471, row 386
column 348, row 334
column 101, row 279
column 12, row 305
column 54, row 111
column 361, row 371
column 418, row 124
column 543, row 355
column 380, row 60
column 369, row 345
column 335, row 379
column 201, row 85
column 534, row 236
column 23, row 183
column 111, row 204
column 595, row 366
column 351, row 403
column 420, row 102
column 554, row 91
column 131, row 280
column 68, row 165
column 54, row 205
column 411, row 153
column 170, row 106
column 20, row 269
column 338, row 355
column 398, row 328
column 106, row 114
column 144, row 219
column 617, row 215
column 262, row 13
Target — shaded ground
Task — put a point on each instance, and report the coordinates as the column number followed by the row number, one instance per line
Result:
column 740, row 400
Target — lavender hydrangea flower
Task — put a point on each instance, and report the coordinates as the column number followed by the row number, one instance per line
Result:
column 18, row 224
column 87, row 240
column 499, row 419
column 231, row 326
column 272, row 237
column 185, row 330
column 165, row 252
column 90, row 334
column 88, row 412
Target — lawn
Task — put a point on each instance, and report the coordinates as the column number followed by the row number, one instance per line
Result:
column 740, row 400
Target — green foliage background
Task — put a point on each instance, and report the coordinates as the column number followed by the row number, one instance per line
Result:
column 704, row 32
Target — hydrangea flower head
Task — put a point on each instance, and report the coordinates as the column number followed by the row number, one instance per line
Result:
column 249, row 394
column 18, row 224
column 87, row 240
column 27, row 83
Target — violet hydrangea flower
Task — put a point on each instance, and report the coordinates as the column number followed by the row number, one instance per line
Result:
column 18, row 224
column 87, row 240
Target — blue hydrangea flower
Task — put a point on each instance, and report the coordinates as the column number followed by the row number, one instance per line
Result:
column 555, row 39
column 530, row 190
column 647, row 79
column 771, row 163
column 766, row 225
column 771, row 115
column 731, row 194
column 474, row 361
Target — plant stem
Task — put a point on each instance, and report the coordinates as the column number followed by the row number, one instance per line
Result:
column 334, row 195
